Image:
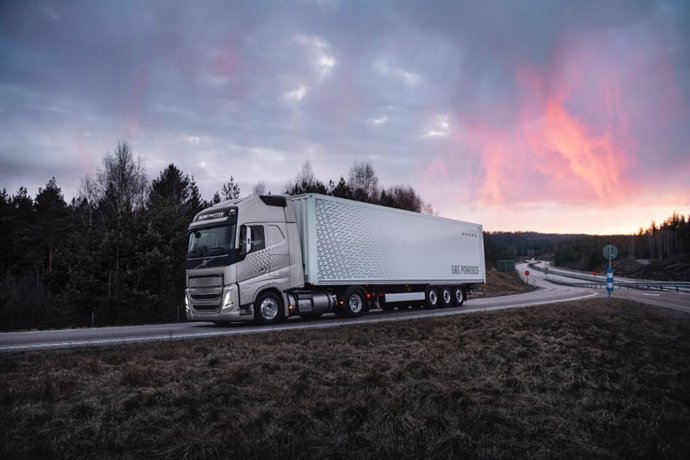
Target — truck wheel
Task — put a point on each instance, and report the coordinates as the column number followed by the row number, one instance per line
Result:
column 268, row 308
column 431, row 298
column 446, row 297
column 354, row 302
column 458, row 296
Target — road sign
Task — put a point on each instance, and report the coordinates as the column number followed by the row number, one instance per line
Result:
column 609, row 280
column 610, row 252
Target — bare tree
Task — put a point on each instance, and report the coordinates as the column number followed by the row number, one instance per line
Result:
column 122, row 181
column 259, row 188
column 428, row 209
column 117, row 190
column 88, row 199
column 363, row 182
column 305, row 182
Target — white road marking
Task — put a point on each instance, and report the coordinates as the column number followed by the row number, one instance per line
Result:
column 281, row 328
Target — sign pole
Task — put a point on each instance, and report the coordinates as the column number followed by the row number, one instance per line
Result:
column 610, row 252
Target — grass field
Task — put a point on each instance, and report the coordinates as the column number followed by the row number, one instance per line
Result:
column 585, row 379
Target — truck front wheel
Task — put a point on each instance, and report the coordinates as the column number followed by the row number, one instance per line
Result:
column 268, row 308
column 353, row 301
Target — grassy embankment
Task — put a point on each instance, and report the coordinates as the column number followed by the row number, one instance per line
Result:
column 569, row 380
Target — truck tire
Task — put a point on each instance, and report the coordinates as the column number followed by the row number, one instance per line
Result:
column 446, row 297
column 268, row 308
column 432, row 299
column 354, row 302
column 458, row 296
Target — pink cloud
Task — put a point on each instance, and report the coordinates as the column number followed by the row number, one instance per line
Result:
column 581, row 129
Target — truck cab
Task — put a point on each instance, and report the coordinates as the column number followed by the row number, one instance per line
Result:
column 239, row 261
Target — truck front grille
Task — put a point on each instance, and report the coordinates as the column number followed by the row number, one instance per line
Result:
column 206, row 297
column 205, row 291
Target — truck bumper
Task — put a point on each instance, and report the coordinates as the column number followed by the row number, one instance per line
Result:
column 229, row 308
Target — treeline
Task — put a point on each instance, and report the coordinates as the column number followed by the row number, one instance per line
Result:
column 115, row 253
column 521, row 245
column 362, row 185
column 584, row 252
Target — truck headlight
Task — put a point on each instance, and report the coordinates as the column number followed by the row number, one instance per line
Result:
column 186, row 299
column 228, row 302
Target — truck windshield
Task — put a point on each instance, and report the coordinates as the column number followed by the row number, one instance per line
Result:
column 211, row 241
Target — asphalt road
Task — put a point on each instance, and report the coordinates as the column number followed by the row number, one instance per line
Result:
column 107, row 336
column 676, row 300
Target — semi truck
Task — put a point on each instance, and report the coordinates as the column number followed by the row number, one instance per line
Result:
column 267, row 258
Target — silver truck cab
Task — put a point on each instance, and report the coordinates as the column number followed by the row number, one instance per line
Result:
column 241, row 254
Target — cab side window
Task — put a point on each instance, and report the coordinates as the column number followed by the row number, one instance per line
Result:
column 258, row 239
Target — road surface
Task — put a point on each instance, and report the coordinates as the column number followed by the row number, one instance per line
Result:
column 107, row 336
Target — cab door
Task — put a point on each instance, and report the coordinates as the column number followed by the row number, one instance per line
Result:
column 266, row 263
column 253, row 270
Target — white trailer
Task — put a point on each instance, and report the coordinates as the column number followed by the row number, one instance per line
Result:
column 270, row 257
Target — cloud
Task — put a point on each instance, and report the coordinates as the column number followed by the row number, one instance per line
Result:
column 297, row 94
column 475, row 104
column 592, row 124
column 439, row 126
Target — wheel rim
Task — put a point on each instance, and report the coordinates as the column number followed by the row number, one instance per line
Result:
column 269, row 309
column 446, row 296
column 433, row 297
column 355, row 303
column 458, row 295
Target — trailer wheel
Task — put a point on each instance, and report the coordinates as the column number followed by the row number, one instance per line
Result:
column 458, row 296
column 268, row 308
column 353, row 302
column 446, row 297
column 431, row 298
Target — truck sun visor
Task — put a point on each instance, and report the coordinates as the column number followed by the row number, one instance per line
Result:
column 215, row 215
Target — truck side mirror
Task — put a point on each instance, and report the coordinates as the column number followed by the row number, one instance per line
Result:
column 245, row 239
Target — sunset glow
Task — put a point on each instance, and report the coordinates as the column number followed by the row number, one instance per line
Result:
column 546, row 116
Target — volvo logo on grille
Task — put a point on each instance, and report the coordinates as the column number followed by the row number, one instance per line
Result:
column 203, row 264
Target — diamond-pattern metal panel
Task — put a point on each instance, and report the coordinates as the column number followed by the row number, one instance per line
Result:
column 259, row 261
column 344, row 254
column 351, row 242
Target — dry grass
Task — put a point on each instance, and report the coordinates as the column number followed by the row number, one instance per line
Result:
column 499, row 283
column 584, row 379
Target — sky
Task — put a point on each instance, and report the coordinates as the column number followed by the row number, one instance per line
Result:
column 550, row 116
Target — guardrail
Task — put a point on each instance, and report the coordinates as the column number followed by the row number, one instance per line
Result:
column 597, row 282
